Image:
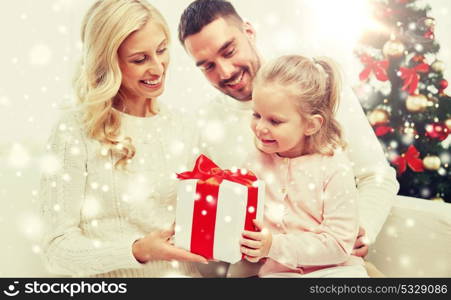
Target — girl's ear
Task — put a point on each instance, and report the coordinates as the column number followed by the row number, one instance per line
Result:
column 314, row 125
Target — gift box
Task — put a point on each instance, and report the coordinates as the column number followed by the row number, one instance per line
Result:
column 214, row 207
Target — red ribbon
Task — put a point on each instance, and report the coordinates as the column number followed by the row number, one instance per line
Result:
column 379, row 68
column 411, row 77
column 209, row 177
column 411, row 159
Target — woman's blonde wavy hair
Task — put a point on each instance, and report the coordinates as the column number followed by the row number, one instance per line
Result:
column 316, row 86
column 98, row 79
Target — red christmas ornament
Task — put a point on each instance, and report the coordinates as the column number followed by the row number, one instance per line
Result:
column 418, row 58
column 411, row 76
column 379, row 68
column 382, row 130
column 437, row 131
column 429, row 35
column 443, row 84
column 409, row 158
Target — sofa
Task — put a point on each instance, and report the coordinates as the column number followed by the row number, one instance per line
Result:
column 415, row 241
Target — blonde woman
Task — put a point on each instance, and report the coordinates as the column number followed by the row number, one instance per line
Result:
column 109, row 202
column 311, row 214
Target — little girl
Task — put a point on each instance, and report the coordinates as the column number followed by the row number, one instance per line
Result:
column 310, row 215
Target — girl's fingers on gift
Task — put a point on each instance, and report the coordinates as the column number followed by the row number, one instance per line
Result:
column 251, row 243
column 251, row 259
column 250, row 252
column 253, row 235
column 258, row 224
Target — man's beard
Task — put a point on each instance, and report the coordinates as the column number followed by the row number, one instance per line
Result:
column 255, row 65
column 223, row 85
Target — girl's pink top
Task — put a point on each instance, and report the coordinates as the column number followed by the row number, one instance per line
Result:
column 311, row 209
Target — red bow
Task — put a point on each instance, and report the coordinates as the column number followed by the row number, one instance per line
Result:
column 379, row 68
column 411, row 159
column 411, row 76
column 206, row 170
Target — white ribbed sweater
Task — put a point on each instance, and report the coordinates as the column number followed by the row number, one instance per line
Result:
column 95, row 212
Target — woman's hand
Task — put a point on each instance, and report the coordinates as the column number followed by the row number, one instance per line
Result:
column 157, row 245
column 256, row 245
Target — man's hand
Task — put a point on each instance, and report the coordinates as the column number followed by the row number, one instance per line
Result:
column 256, row 245
column 360, row 246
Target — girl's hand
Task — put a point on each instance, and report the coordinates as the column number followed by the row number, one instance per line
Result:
column 157, row 245
column 256, row 245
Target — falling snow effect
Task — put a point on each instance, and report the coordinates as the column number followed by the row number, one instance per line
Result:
column 30, row 110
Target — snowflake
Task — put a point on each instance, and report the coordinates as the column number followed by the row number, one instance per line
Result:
column 97, row 244
column 410, row 222
column 221, row 270
column 36, row 249
column 66, row 177
column 425, row 192
column 49, row 164
column 214, row 131
column 18, row 157
column 4, row 101
column 275, row 212
column 62, row 29
column 445, row 158
column 238, row 190
column 30, row 225
column 177, row 147
column 405, row 261
column 175, row 264
column 91, row 207
column 40, row 54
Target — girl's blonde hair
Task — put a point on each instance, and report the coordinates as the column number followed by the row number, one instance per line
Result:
column 98, row 79
column 316, row 86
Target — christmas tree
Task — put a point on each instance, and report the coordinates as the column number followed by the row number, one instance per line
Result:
column 402, row 92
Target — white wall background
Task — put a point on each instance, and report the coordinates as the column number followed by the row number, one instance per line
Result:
column 40, row 47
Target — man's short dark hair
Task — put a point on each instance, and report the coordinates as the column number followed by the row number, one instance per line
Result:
column 201, row 13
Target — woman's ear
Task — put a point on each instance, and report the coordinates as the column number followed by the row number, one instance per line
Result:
column 314, row 124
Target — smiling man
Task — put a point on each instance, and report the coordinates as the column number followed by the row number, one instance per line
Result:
column 223, row 46
column 229, row 63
